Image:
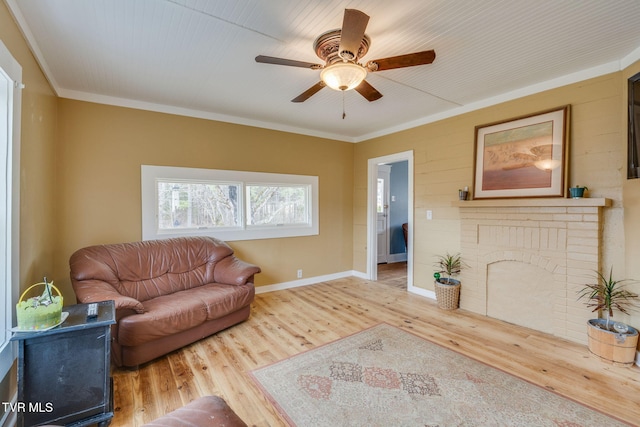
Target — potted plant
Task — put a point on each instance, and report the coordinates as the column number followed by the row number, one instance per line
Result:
column 612, row 341
column 577, row 192
column 448, row 289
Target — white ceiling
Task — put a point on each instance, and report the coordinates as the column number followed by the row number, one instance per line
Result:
column 196, row 57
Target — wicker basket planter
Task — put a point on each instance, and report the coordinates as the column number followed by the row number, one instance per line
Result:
column 612, row 347
column 448, row 295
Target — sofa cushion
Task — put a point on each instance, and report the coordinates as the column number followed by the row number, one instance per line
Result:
column 171, row 314
column 148, row 269
column 221, row 300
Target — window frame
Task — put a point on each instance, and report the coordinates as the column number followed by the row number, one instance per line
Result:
column 151, row 174
column 10, row 204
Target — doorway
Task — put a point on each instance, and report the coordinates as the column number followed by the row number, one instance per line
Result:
column 380, row 216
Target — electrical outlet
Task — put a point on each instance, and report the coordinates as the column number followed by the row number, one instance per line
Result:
column 300, row 274
column 429, row 215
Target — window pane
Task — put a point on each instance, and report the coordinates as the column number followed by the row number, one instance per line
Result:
column 380, row 196
column 278, row 204
column 187, row 205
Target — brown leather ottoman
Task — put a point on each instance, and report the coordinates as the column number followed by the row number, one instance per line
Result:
column 207, row 411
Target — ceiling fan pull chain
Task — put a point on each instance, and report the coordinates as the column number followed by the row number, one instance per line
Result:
column 344, row 114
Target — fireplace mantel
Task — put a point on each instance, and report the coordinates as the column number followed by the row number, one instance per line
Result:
column 532, row 202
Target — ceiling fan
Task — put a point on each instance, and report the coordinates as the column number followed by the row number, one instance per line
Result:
column 341, row 49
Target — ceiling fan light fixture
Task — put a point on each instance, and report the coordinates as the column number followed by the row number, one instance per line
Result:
column 343, row 75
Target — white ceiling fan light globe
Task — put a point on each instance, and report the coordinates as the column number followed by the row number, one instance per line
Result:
column 343, row 75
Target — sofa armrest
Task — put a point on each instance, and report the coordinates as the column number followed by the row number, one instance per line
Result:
column 232, row 271
column 96, row 290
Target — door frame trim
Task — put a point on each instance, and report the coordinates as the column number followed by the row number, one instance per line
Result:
column 372, row 182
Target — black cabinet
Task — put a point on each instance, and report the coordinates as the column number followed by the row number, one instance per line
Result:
column 64, row 373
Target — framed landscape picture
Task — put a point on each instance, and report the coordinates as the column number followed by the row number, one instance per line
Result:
column 523, row 157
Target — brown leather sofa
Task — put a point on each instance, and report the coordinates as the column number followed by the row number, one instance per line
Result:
column 167, row 293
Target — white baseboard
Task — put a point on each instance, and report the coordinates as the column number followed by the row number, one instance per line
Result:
column 317, row 279
column 308, row 281
column 359, row 275
column 422, row 292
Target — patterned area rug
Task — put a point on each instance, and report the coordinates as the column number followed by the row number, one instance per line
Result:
column 384, row 376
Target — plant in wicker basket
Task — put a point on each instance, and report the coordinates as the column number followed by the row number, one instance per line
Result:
column 451, row 265
column 448, row 289
column 42, row 311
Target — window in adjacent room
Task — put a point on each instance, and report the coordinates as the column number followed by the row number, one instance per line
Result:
column 229, row 205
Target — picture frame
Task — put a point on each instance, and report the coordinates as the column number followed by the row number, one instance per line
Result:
column 523, row 157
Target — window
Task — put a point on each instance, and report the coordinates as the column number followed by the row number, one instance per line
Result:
column 186, row 205
column 229, row 205
column 380, row 196
column 277, row 205
column 633, row 152
column 10, row 82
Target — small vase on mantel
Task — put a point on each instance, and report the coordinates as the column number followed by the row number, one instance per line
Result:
column 577, row 192
column 463, row 194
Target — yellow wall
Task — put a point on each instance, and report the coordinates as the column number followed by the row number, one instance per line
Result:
column 80, row 176
column 37, row 181
column 443, row 162
column 98, row 200
column 37, row 163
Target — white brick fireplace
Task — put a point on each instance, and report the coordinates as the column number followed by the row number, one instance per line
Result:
column 528, row 257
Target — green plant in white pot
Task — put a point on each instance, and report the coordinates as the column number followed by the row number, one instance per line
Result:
column 612, row 341
column 447, row 288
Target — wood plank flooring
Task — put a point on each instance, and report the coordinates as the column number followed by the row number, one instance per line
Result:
column 285, row 323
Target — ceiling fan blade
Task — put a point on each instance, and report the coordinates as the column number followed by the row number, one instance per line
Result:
column 309, row 92
column 368, row 91
column 401, row 61
column 290, row 62
column 353, row 25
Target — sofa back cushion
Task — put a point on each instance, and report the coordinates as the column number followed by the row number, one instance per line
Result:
column 146, row 270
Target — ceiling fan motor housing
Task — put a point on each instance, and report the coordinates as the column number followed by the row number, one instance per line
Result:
column 327, row 47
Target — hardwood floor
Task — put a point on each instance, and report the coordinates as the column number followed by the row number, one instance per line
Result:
column 285, row 323
column 394, row 274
